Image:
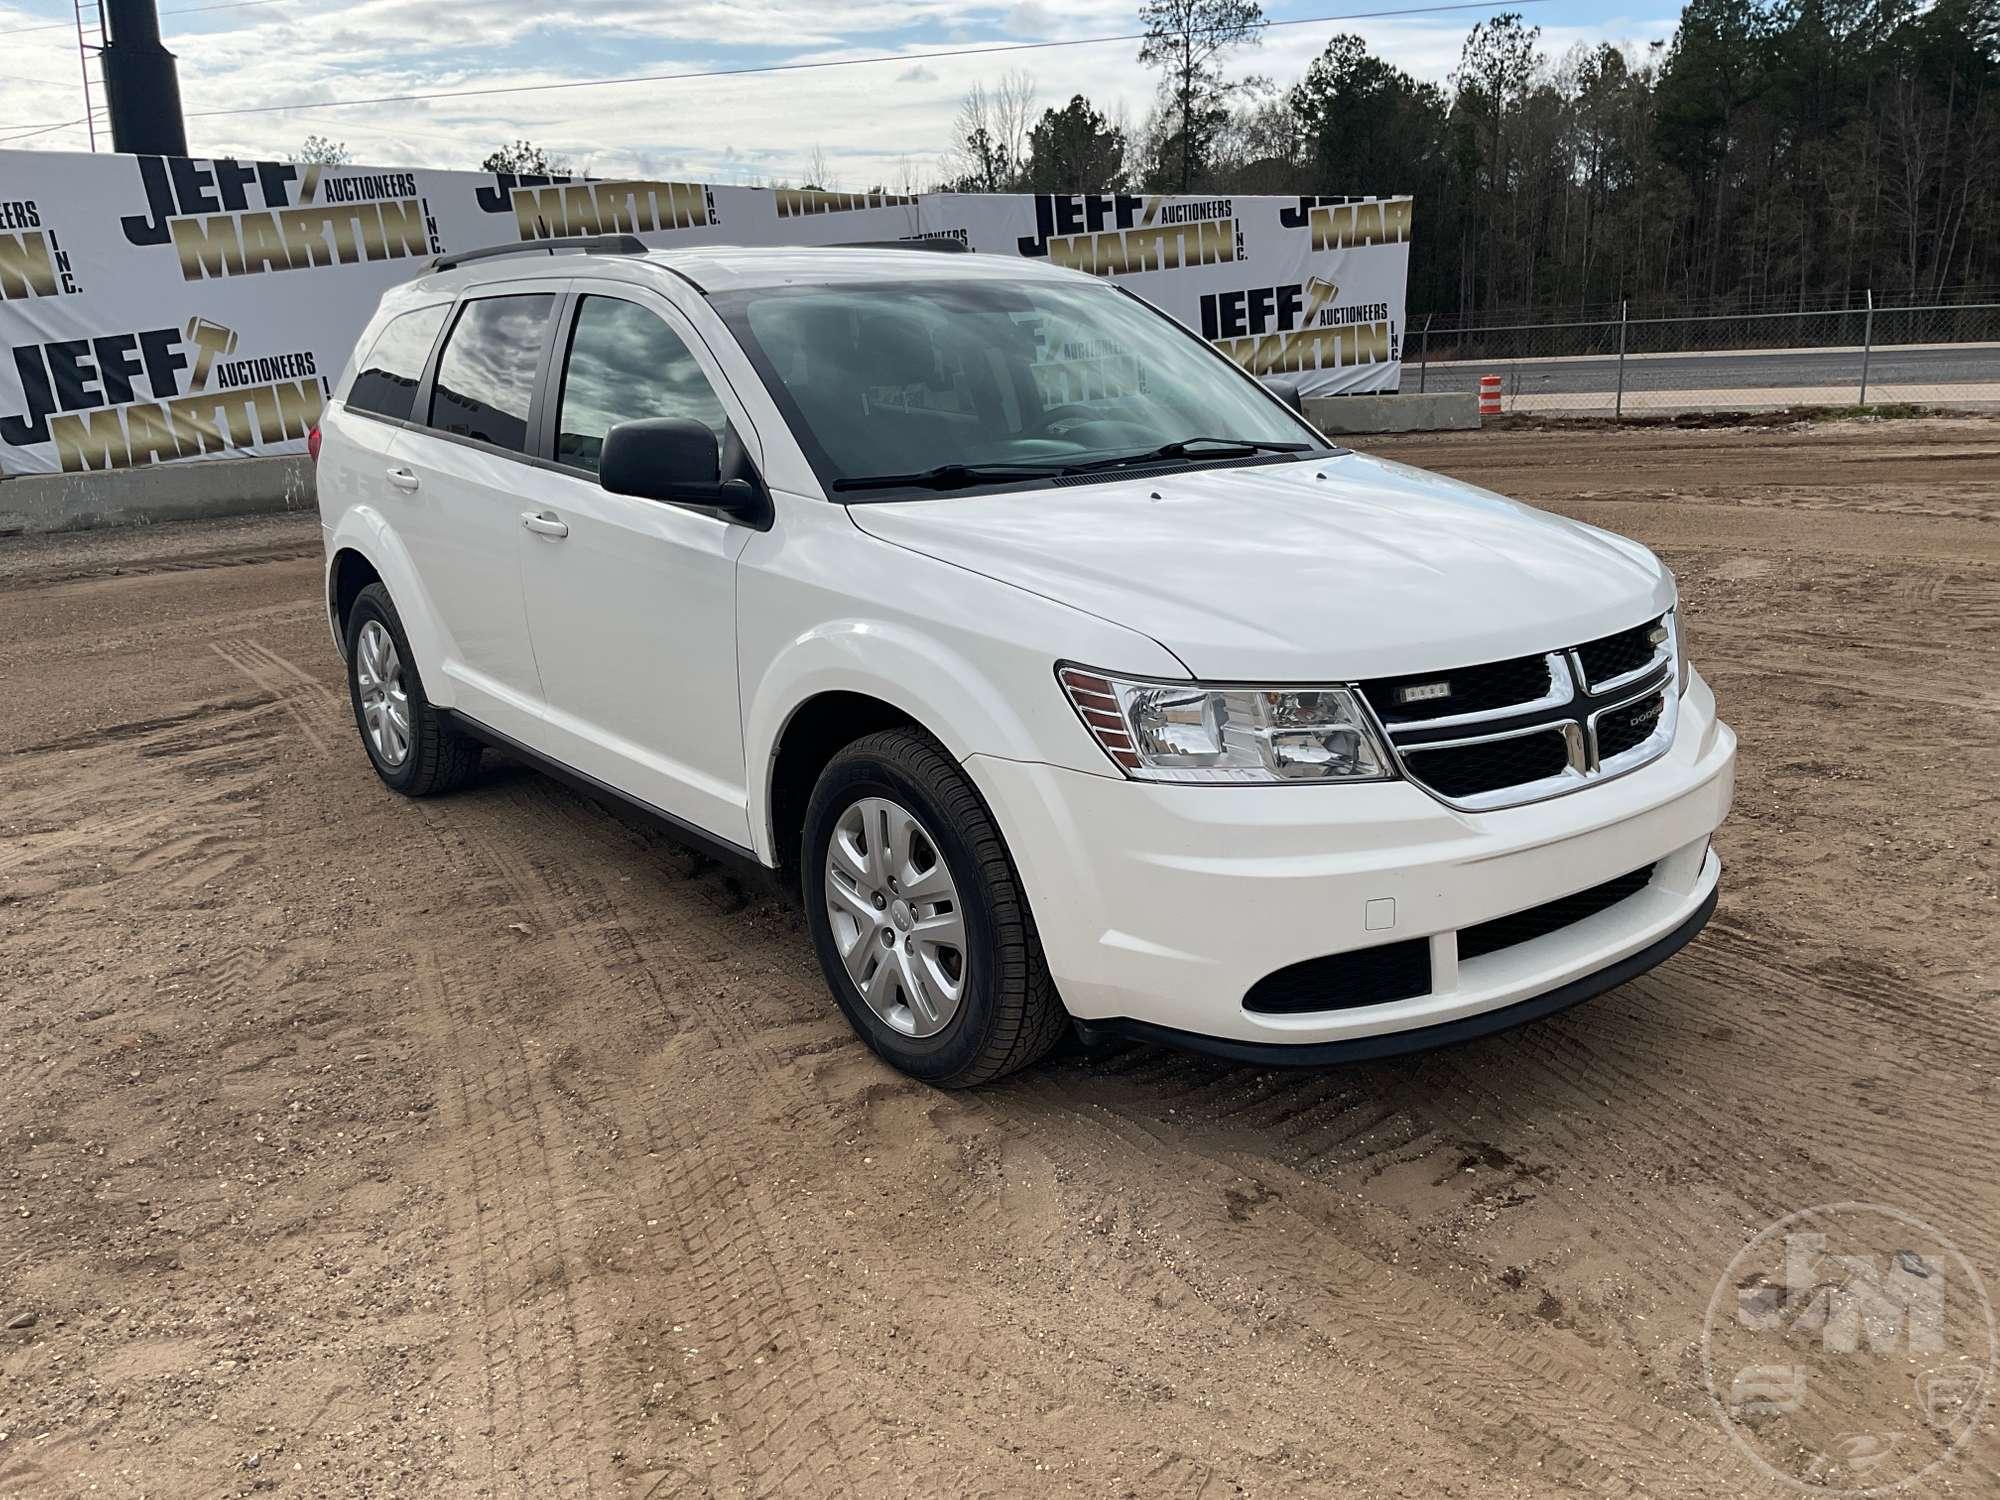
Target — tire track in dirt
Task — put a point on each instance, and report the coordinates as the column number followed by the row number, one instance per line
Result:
column 1533, row 1407
column 791, row 1430
column 309, row 702
column 1118, row 1242
column 132, row 823
column 1568, row 1069
column 515, row 1193
column 1553, row 1092
column 143, row 730
column 1006, row 1228
column 793, row 1412
column 1139, row 1274
column 190, row 562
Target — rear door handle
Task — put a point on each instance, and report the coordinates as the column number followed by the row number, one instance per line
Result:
column 544, row 525
column 403, row 480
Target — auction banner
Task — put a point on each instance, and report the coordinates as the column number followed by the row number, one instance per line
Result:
column 159, row 309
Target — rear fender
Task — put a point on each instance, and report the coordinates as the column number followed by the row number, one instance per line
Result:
column 365, row 530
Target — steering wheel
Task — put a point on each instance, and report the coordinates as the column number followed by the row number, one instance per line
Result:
column 1055, row 416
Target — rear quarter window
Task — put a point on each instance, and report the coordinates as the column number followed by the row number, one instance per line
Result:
column 386, row 382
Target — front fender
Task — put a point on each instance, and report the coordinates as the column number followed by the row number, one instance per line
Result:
column 365, row 530
column 823, row 607
column 915, row 673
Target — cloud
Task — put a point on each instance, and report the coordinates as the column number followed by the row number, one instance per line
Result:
column 873, row 120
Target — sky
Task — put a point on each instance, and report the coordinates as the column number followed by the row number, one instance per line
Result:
column 874, row 124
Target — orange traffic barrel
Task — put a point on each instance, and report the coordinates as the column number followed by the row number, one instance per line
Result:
column 1489, row 395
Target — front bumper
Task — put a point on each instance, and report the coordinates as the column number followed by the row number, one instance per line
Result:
column 1159, row 906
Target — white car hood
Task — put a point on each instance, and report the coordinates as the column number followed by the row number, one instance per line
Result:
column 1343, row 568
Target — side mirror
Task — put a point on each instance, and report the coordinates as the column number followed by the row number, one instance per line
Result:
column 1286, row 389
column 678, row 461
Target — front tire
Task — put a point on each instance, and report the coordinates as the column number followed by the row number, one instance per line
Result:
column 413, row 749
column 918, row 916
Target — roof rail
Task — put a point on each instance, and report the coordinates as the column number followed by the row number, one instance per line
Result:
column 947, row 246
column 589, row 244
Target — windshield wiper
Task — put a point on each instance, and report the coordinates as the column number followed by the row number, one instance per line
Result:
column 945, row 477
column 1194, row 447
column 957, row 476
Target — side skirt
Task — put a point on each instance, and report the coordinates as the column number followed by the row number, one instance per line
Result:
column 623, row 803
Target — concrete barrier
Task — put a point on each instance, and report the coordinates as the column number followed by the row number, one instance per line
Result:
column 1440, row 411
column 250, row 486
column 159, row 492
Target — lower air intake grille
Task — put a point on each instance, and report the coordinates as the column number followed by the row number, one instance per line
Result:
column 1550, row 916
column 1341, row 981
column 1467, row 770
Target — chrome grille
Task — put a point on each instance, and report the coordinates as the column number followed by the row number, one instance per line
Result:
column 1466, row 770
column 1620, row 658
column 1498, row 734
column 1479, row 689
column 1627, row 728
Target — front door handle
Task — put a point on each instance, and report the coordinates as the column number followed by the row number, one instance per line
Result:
column 403, row 480
column 544, row 525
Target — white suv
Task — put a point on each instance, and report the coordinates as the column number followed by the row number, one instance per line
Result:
column 1078, row 680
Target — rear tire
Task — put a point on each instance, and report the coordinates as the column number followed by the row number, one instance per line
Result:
column 1004, row 1012
column 412, row 747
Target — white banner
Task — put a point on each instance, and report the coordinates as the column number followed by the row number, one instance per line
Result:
column 160, row 309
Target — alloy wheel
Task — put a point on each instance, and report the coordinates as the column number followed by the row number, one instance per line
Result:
column 385, row 702
column 896, row 917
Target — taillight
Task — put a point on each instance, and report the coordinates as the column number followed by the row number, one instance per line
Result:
column 312, row 444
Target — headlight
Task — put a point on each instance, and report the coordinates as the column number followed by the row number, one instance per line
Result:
column 1187, row 731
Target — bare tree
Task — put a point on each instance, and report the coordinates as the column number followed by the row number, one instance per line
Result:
column 1256, row 149
column 989, row 141
column 819, row 172
column 317, row 150
column 1014, row 112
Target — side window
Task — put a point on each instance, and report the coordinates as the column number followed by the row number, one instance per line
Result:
column 386, row 383
column 486, row 376
column 624, row 364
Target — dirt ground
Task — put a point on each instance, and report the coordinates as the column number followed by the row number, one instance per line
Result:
column 351, row 1146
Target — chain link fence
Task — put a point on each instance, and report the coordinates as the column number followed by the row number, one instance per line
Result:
column 1942, row 355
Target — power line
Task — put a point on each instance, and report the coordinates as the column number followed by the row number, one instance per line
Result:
column 191, row 10
column 44, row 130
column 807, row 67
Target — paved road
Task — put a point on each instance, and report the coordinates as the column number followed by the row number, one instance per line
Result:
column 1942, row 372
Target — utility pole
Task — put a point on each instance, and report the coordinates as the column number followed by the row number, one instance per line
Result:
column 1867, row 343
column 1624, row 320
column 141, row 86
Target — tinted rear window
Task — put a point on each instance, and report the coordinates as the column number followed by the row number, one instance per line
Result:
column 386, row 384
column 486, row 376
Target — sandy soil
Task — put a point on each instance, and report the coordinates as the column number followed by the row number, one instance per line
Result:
column 352, row 1147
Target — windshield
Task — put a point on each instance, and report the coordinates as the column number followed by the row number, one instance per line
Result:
column 900, row 388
